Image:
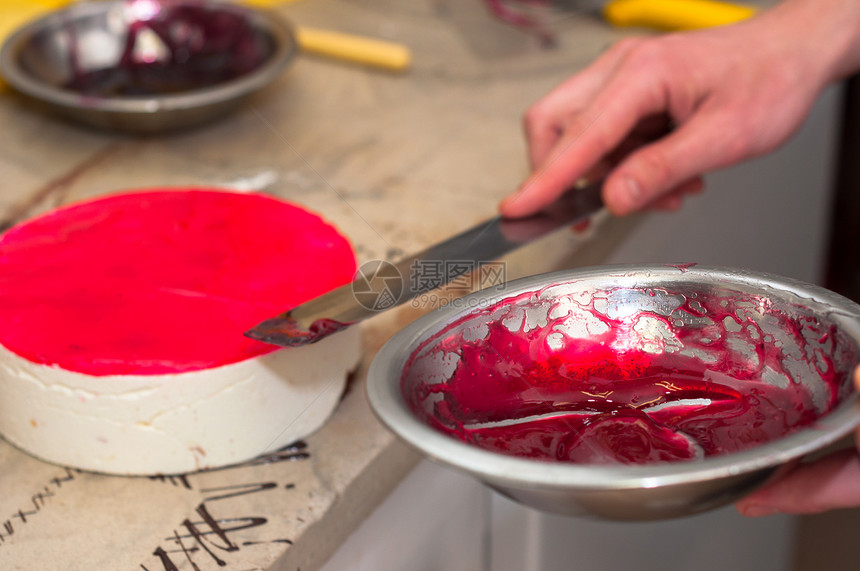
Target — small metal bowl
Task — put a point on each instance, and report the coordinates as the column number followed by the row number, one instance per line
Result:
column 777, row 332
column 146, row 66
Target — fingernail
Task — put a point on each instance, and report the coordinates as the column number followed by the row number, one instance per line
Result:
column 757, row 510
column 509, row 200
column 634, row 192
column 624, row 197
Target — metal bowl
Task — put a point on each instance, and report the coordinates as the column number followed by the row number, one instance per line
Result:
column 146, row 66
column 767, row 330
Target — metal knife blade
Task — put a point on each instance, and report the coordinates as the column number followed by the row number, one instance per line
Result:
column 487, row 242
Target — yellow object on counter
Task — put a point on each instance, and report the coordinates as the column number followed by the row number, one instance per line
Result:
column 15, row 13
column 362, row 50
column 268, row 3
column 357, row 49
column 674, row 15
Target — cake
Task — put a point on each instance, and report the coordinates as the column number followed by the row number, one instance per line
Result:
column 121, row 330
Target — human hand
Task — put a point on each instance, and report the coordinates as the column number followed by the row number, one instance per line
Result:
column 655, row 114
column 828, row 483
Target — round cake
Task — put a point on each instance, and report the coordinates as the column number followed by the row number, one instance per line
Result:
column 121, row 330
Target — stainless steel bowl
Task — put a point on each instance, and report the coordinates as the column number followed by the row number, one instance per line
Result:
column 797, row 324
column 64, row 61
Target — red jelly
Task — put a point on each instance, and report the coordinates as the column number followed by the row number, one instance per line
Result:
column 162, row 281
column 598, row 378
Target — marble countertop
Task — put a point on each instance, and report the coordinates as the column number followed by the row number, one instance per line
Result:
column 397, row 162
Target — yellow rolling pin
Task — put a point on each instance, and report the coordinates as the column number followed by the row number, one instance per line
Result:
column 673, row 15
column 382, row 54
column 390, row 56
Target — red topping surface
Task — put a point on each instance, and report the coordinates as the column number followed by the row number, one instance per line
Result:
column 162, row 281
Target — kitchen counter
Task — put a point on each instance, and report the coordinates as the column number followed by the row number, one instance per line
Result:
column 397, row 162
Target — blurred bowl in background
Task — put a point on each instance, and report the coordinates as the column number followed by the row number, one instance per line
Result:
column 146, row 66
column 625, row 393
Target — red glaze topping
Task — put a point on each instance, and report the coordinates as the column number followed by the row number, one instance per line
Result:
column 162, row 281
column 497, row 382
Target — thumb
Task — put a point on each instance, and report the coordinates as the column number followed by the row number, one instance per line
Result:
column 709, row 140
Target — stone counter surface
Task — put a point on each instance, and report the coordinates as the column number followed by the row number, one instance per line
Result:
column 397, row 162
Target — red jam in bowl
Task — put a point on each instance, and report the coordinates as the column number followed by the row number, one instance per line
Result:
column 626, row 375
column 173, row 47
column 161, row 281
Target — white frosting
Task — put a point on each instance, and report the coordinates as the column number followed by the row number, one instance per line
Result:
column 171, row 424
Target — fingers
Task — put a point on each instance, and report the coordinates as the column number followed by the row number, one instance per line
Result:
column 567, row 140
column 545, row 121
column 731, row 99
column 568, row 161
column 588, row 138
column 702, row 144
column 857, row 378
column 830, row 483
column 673, row 200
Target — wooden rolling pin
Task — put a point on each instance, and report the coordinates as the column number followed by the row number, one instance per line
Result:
column 674, row 15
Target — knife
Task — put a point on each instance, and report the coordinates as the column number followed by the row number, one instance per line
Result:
column 466, row 252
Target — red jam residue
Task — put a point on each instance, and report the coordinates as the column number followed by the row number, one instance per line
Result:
column 175, row 47
column 161, row 282
column 592, row 380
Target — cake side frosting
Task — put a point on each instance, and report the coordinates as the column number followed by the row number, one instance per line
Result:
column 170, row 424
